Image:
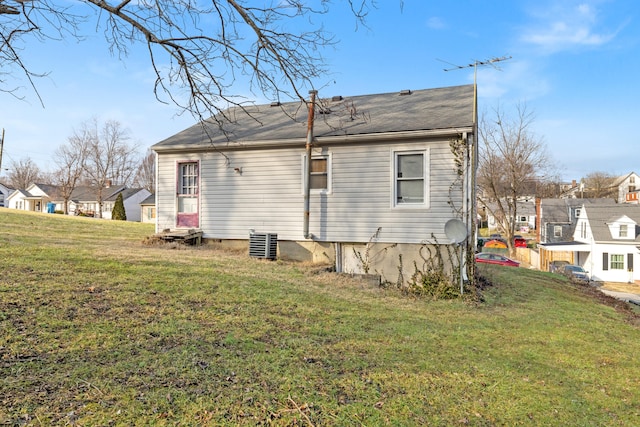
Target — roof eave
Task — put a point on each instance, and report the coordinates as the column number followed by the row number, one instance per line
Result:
column 318, row 141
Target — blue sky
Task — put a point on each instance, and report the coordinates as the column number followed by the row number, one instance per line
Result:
column 574, row 63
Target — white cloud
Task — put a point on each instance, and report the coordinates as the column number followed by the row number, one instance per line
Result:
column 563, row 28
column 436, row 23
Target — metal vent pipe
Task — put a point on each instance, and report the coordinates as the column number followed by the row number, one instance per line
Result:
column 307, row 176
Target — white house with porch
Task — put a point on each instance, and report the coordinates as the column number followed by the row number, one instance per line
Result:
column 606, row 242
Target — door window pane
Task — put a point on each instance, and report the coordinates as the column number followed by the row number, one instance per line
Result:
column 187, row 204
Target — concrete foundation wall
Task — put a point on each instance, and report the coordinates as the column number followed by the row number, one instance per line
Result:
column 393, row 263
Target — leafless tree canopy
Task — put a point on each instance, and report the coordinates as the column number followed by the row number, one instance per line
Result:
column 70, row 160
column 146, row 175
column 599, row 184
column 23, row 173
column 198, row 50
column 110, row 159
column 512, row 161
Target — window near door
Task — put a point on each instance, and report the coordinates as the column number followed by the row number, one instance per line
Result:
column 410, row 179
column 617, row 261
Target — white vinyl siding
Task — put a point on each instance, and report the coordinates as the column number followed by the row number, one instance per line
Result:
column 266, row 197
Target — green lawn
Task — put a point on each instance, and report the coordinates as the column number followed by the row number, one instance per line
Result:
column 97, row 328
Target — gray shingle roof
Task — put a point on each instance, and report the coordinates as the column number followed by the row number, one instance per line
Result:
column 126, row 193
column 151, row 200
column 421, row 110
column 558, row 210
column 601, row 216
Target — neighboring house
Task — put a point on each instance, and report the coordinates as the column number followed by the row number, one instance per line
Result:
column 4, row 195
column 571, row 190
column 627, row 186
column 558, row 217
column 148, row 209
column 84, row 201
column 525, row 216
column 132, row 197
column 34, row 198
column 46, row 198
column 383, row 181
column 610, row 238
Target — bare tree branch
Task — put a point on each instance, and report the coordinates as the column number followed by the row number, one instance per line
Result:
column 199, row 51
column 512, row 160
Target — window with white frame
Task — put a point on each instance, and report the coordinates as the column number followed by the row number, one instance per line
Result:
column 320, row 175
column 577, row 212
column 617, row 262
column 623, row 230
column 557, row 231
column 583, row 230
column 410, row 178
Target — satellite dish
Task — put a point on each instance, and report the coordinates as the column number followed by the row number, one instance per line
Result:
column 455, row 230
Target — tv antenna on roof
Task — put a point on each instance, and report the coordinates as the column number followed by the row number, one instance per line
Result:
column 475, row 64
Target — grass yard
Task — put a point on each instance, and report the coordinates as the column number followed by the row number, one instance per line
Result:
column 98, row 329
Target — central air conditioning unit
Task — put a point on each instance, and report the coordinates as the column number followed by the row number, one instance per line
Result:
column 263, row 245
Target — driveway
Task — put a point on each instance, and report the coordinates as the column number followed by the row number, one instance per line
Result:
column 629, row 292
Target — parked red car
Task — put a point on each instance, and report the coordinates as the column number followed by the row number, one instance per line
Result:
column 519, row 242
column 489, row 258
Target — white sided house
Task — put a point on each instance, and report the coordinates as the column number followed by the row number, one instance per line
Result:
column 387, row 172
column 607, row 242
